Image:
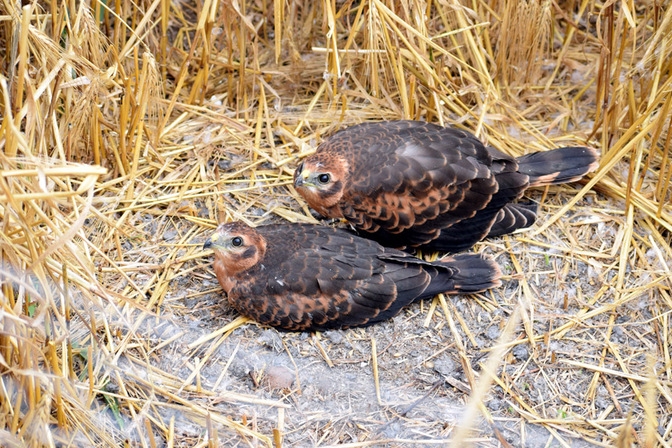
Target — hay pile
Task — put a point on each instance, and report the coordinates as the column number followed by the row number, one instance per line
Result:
column 129, row 129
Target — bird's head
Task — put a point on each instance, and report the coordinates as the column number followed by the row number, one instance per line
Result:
column 237, row 247
column 321, row 180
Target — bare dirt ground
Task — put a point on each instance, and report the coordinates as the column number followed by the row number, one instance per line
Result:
column 554, row 381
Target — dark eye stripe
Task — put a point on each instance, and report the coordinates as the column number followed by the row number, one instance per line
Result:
column 331, row 190
column 249, row 252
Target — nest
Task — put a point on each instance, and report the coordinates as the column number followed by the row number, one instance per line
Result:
column 129, row 130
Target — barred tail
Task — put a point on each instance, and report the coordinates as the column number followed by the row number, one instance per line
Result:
column 472, row 273
column 558, row 165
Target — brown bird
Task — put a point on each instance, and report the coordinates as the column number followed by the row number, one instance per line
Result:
column 309, row 277
column 410, row 184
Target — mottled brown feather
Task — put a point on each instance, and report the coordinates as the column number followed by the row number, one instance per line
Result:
column 309, row 277
column 415, row 184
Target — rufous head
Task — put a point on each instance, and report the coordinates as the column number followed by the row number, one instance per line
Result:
column 237, row 247
column 321, row 180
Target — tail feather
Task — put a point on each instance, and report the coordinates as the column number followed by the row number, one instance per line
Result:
column 559, row 165
column 459, row 274
column 472, row 273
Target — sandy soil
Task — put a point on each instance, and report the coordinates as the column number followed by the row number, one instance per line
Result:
column 321, row 387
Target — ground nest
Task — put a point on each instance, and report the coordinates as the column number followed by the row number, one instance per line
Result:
column 130, row 129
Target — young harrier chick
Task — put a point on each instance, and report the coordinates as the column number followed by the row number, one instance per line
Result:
column 411, row 184
column 309, row 277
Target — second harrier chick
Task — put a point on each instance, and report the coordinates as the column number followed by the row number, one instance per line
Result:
column 411, row 184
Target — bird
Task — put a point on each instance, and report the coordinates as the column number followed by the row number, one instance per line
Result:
column 416, row 185
column 312, row 277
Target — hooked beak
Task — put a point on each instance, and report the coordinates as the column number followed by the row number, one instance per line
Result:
column 300, row 176
column 212, row 241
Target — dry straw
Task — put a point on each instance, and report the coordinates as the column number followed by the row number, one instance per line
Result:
column 129, row 129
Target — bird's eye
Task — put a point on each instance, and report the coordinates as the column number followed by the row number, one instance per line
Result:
column 323, row 178
column 237, row 241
